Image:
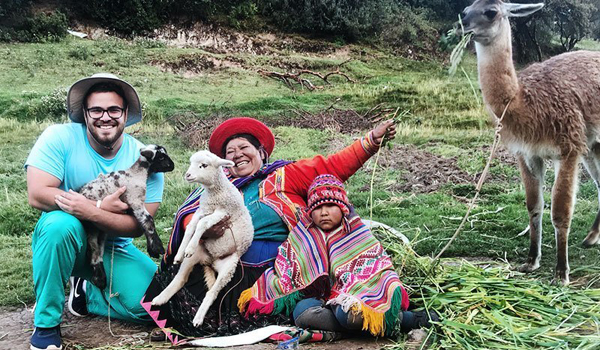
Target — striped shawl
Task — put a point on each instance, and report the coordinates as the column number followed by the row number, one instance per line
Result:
column 347, row 266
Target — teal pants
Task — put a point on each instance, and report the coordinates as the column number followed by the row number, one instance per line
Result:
column 59, row 247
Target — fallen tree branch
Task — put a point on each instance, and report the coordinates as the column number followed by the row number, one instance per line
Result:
column 290, row 77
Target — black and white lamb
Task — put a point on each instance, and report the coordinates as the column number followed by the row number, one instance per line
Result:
column 153, row 159
column 221, row 203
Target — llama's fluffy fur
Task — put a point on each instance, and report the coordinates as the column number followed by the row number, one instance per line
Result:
column 152, row 159
column 553, row 113
column 220, row 204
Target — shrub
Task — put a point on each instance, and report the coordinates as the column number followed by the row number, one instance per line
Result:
column 52, row 106
column 146, row 43
column 443, row 10
column 39, row 28
column 17, row 23
column 80, row 52
column 407, row 27
column 392, row 22
column 241, row 13
column 351, row 19
column 13, row 8
column 125, row 16
column 46, row 27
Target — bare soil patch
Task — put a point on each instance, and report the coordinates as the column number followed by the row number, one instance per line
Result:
column 196, row 131
column 225, row 40
column 194, row 64
column 422, row 171
column 78, row 333
column 16, row 326
column 345, row 121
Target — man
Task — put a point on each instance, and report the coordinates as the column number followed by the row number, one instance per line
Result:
column 63, row 159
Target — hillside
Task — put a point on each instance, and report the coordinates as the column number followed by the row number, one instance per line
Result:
column 190, row 81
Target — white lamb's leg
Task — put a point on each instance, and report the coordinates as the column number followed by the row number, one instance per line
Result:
column 178, row 282
column 225, row 269
column 204, row 224
column 209, row 276
column 187, row 236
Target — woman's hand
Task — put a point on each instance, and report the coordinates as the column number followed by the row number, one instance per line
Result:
column 387, row 129
column 218, row 229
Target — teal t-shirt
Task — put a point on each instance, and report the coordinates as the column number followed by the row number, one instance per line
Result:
column 267, row 224
column 64, row 151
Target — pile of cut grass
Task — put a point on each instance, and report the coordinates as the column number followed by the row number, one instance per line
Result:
column 486, row 305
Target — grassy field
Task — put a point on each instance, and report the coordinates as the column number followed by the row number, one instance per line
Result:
column 446, row 124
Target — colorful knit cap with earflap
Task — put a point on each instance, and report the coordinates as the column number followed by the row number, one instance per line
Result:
column 327, row 189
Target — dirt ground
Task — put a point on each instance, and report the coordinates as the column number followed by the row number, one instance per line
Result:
column 16, row 326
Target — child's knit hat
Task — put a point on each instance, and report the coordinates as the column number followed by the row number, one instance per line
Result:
column 327, row 189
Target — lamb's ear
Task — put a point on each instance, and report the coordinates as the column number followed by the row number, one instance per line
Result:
column 521, row 10
column 148, row 154
column 225, row 163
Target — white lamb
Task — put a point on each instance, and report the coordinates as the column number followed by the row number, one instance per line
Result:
column 221, row 203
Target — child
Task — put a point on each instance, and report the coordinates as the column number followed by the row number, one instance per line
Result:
column 332, row 274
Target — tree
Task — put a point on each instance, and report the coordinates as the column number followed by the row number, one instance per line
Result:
column 568, row 20
column 572, row 20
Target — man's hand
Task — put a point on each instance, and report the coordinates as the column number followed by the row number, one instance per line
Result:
column 113, row 202
column 82, row 208
column 75, row 204
column 387, row 128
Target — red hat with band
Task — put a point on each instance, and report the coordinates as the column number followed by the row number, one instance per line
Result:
column 241, row 125
column 327, row 189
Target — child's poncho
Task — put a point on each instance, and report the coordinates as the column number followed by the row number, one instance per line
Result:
column 347, row 267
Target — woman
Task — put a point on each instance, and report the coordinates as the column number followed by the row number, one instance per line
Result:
column 274, row 194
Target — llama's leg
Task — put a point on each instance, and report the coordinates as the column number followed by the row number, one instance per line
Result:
column 532, row 173
column 210, row 276
column 205, row 223
column 146, row 222
column 592, row 164
column 95, row 248
column 225, row 269
column 187, row 236
column 563, row 202
column 178, row 281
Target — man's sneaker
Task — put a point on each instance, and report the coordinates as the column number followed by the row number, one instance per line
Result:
column 77, row 302
column 46, row 339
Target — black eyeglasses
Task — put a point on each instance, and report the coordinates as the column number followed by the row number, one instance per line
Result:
column 113, row 112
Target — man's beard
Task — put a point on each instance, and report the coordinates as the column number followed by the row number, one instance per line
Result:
column 106, row 141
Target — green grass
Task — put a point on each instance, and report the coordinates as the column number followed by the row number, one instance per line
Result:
column 446, row 119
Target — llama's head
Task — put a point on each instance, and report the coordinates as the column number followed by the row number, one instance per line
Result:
column 487, row 19
column 205, row 167
column 156, row 159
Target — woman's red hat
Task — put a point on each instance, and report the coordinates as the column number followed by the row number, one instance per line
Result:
column 241, row 125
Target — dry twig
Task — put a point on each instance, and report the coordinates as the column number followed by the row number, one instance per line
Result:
column 290, row 77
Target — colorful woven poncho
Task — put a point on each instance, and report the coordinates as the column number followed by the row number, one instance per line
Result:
column 347, row 266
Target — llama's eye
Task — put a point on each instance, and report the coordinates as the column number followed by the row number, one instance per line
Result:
column 490, row 14
column 202, row 166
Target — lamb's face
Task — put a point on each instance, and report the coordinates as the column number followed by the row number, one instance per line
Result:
column 159, row 160
column 204, row 167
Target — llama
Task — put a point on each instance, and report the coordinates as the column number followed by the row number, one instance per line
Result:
column 152, row 159
column 221, row 203
column 553, row 113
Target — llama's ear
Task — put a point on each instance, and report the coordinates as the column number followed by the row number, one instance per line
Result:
column 225, row 163
column 521, row 10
